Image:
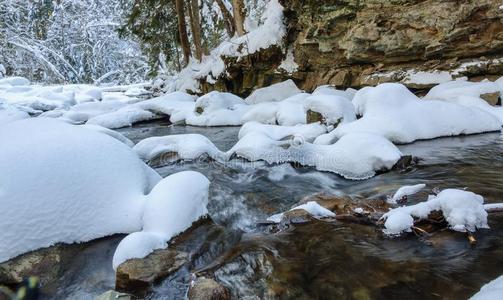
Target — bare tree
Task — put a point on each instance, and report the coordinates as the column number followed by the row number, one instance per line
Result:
column 239, row 11
column 182, row 31
column 195, row 25
column 230, row 26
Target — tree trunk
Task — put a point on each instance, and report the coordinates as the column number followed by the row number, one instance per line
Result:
column 195, row 25
column 182, row 31
column 229, row 20
column 239, row 11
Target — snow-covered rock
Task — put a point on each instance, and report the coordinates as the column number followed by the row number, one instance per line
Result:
column 392, row 111
column 275, row 92
column 218, row 109
column 14, row 81
column 463, row 211
column 66, row 183
column 186, row 146
column 312, row 207
column 307, row 131
column 492, row 290
column 334, row 109
column 406, row 190
column 171, row 208
column 453, row 89
column 124, row 117
column 354, row 156
column 9, row 113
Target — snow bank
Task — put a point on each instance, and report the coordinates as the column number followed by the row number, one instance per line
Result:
column 275, row 92
column 312, row 207
column 172, row 104
column 66, row 183
column 308, row 132
column 14, row 81
column 171, row 208
column 9, row 113
column 186, row 146
column 494, row 289
column 392, row 111
column 463, row 211
column 405, row 191
column 354, row 156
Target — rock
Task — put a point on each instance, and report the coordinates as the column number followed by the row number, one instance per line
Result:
column 208, row 289
column 357, row 43
column 44, row 263
column 492, row 98
column 136, row 276
column 314, row 117
column 114, row 295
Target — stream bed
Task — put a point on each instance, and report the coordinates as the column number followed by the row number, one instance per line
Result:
column 318, row 260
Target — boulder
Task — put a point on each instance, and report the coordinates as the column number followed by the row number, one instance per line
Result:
column 492, row 98
column 136, row 276
column 208, row 289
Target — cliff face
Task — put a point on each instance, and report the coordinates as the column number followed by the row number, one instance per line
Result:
column 366, row 42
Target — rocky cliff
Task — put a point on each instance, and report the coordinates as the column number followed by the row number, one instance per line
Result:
column 366, row 42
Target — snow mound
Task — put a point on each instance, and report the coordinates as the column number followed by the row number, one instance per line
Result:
column 492, row 290
column 406, row 190
column 354, row 156
column 172, row 206
column 275, row 92
column 307, row 131
column 392, row 111
column 14, row 81
column 217, row 109
column 66, row 183
column 312, row 207
column 463, row 211
column 10, row 113
column 185, row 146
column 112, row 133
column 334, row 109
column 124, row 117
column 288, row 112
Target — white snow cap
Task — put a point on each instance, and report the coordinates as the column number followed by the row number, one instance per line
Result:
column 463, row 211
column 187, row 146
column 219, row 109
column 312, row 207
column 172, row 207
column 335, row 109
column 406, row 190
column 492, row 290
column 275, row 92
column 66, row 183
column 307, row 131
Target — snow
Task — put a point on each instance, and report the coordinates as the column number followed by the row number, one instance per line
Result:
column 112, row 133
column 218, row 109
column 406, row 190
column 123, row 117
column 312, row 207
column 186, row 147
column 9, row 113
column 270, row 32
column 308, row 131
column 275, row 92
column 289, row 64
column 392, row 111
column 171, row 208
column 463, row 211
column 14, row 81
column 427, row 78
column 354, row 156
column 334, row 109
column 494, row 289
column 66, row 183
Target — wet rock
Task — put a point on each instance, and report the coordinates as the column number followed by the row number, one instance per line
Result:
column 44, row 263
column 114, row 295
column 405, row 162
column 492, row 98
column 208, row 289
column 199, row 110
column 136, row 276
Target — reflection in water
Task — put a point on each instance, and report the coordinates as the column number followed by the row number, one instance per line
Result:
column 334, row 260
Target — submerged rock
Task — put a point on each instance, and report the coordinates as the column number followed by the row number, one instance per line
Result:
column 136, row 276
column 208, row 289
column 114, row 295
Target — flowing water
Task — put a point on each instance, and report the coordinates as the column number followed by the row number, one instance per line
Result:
column 320, row 260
